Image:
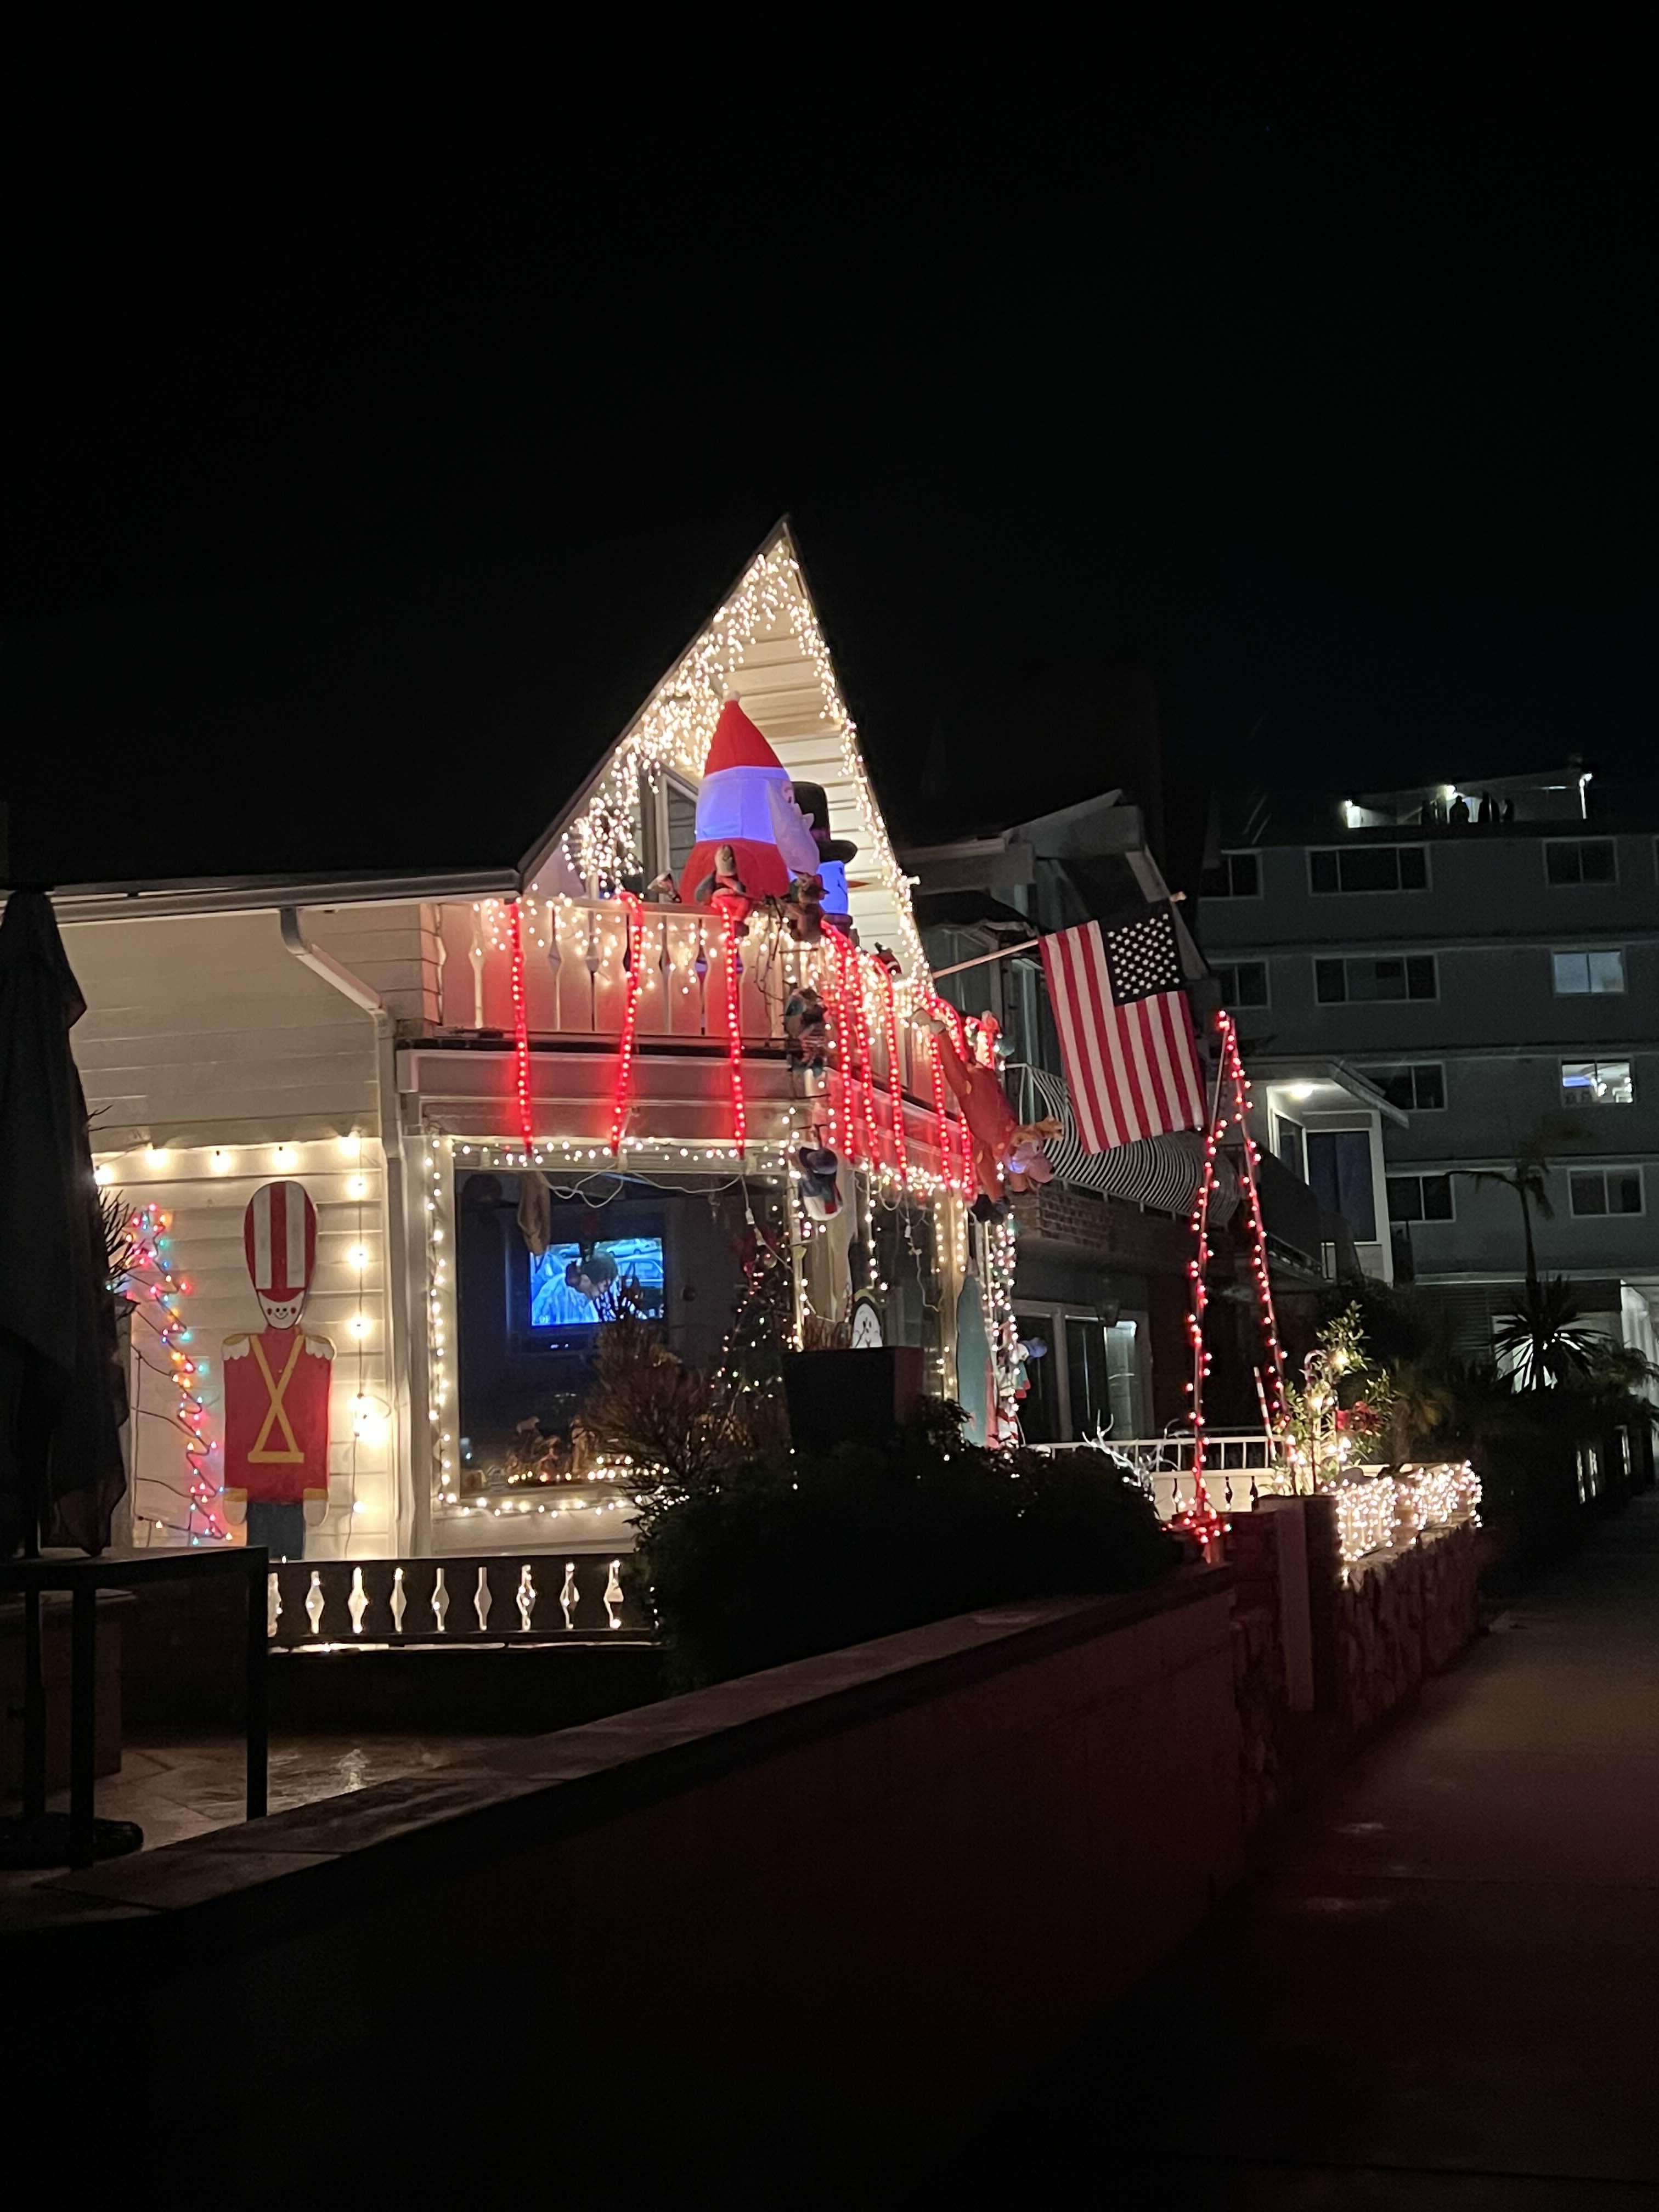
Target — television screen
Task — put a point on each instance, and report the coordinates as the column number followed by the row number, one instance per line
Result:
column 576, row 1285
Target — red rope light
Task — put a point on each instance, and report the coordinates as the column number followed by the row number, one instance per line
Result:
column 624, row 1092
column 895, row 1084
column 860, row 1121
column 520, row 1028
column 733, row 1032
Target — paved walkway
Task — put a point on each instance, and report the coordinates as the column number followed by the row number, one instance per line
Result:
column 1442, row 1989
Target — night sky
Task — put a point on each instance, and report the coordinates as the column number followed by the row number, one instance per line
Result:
column 1306, row 405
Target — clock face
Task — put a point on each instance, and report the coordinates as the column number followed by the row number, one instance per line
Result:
column 866, row 1326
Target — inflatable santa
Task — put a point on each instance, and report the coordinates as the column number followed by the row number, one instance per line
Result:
column 748, row 826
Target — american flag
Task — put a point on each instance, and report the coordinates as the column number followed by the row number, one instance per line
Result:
column 1126, row 1032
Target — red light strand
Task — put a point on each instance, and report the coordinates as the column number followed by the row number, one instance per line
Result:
column 624, row 1093
column 895, row 1083
column 734, row 1032
column 520, row 1029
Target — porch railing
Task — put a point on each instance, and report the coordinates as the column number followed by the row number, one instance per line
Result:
column 325, row 1604
column 576, row 978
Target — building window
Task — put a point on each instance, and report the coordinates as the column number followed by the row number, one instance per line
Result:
column 1578, row 972
column 1236, row 875
column 1418, row 1089
column 1597, row 1083
column 1339, row 1176
column 1420, row 1198
column 1369, row 868
column 1606, row 1190
column 1336, row 982
column 1580, row 860
column 1244, row 983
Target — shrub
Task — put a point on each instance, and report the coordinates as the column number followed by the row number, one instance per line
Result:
column 792, row 1554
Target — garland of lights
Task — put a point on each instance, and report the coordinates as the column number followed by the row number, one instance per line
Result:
column 150, row 1273
column 623, row 1098
column 1201, row 1517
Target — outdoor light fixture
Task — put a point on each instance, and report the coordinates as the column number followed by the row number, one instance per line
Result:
column 104, row 1173
column 1300, row 1090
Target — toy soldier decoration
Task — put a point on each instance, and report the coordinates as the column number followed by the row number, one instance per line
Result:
column 276, row 1382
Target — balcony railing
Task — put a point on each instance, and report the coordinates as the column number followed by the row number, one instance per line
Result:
column 508, row 1598
column 576, row 976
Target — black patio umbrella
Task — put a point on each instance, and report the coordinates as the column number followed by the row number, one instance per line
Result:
column 61, row 1473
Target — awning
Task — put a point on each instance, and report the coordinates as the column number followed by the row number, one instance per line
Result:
column 1164, row 1173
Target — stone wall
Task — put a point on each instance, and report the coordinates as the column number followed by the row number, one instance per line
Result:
column 1376, row 1633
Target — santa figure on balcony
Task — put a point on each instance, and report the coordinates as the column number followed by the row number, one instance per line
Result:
column 752, row 836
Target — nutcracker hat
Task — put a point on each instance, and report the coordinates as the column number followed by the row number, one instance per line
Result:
column 744, row 801
column 279, row 1235
column 810, row 798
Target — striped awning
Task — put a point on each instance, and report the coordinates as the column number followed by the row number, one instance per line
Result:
column 1164, row 1173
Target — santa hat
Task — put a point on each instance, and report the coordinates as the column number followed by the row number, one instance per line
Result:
column 744, row 802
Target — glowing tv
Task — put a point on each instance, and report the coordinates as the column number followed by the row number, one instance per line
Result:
column 576, row 1285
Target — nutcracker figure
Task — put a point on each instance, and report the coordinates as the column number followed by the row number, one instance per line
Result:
column 276, row 1382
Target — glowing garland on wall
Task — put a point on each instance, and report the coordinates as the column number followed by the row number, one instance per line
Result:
column 150, row 1277
column 520, row 1028
column 733, row 1029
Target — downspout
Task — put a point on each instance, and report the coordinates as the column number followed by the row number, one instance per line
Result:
column 412, row 1530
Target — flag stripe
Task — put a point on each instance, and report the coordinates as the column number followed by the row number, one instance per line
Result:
column 1131, row 1064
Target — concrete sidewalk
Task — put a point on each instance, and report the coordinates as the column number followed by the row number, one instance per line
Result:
column 1441, row 1986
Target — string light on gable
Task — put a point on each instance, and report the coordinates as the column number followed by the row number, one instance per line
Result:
column 673, row 729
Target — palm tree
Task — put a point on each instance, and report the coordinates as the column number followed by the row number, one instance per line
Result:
column 1527, row 1178
column 1541, row 1344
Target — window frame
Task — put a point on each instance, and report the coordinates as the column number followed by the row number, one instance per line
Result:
column 1422, row 1218
column 1406, row 997
column 1578, row 1172
column 1233, row 1003
column 1225, row 862
column 1578, row 883
column 1574, row 1104
column 1411, row 1068
column 1589, row 953
column 1340, row 890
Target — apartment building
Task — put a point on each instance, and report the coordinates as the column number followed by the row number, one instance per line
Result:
column 1487, row 958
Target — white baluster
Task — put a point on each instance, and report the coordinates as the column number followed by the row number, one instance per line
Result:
column 481, row 1602
column 357, row 1603
column 526, row 1598
column 476, row 956
column 273, row 1604
column 613, row 1597
column 399, row 1602
column 568, row 1594
column 439, row 1601
column 314, row 1601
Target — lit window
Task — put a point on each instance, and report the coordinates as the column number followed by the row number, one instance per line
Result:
column 1579, row 860
column 1420, row 1198
column 1597, row 1083
column 1606, row 1190
column 1578, row 972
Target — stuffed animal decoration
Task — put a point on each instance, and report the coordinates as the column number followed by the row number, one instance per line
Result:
column 833, row 855
column 818, row 1169
column 1008, row 1154
column 803, row 909
column 805, row 1029
column 663, row 890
